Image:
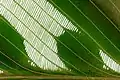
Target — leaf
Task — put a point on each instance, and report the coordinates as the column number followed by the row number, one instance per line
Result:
column 70, row 37
column 12, row 54
column 111, row 9
column 98, row 28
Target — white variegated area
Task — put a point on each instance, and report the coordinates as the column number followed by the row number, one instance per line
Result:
column 1, row 72
column 110, row 63
column 32, row 23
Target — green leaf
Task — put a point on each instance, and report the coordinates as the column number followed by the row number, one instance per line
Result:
column 111, row 9
column 58, row 37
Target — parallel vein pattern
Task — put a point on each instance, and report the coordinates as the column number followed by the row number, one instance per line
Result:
column 38, row 31
column 69, row 39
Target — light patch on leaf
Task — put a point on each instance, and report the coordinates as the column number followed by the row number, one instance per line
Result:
column 32, row 63
column 42, row 59
column 1, row 72
column 109, row 62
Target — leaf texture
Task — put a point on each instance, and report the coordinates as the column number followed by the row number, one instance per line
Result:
column 72, row 37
